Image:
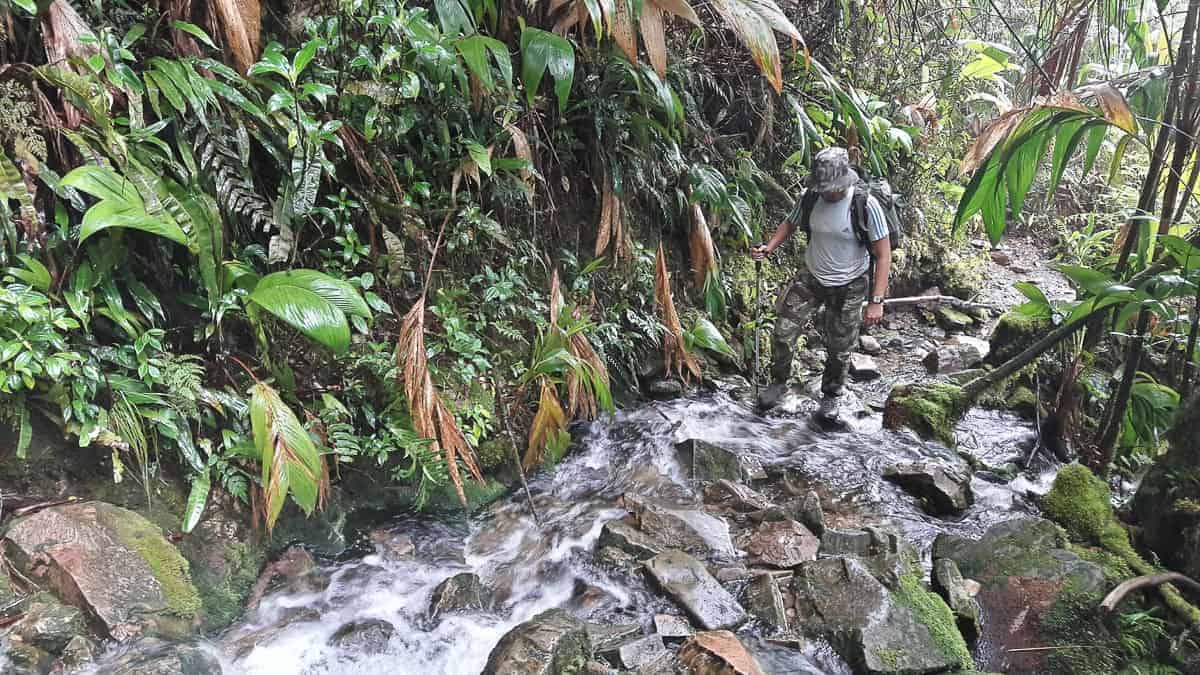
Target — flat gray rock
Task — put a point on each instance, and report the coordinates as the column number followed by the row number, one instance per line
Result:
column 687, row 581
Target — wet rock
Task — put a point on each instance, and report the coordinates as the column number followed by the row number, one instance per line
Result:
column 391, row 544
column 641, row 652
column 1013, row 333
column 112, row 563
column 617, row 558
column 78, row 652
column 606, row 638
column 1023, row 401
column 780, row 544
column 622, row 536
column 953, row 320
column 664, row 388
column 369, row 636
column 295, row 569
column 463, row 591
column 863, row 368
column 672, row 626
column 718, row 653
column 687, row 582
column 550, row 643
column 731, row 573
column 809, row 513
column 943, row 489
column 243, row 643
column 18, row 658
column 1027, row 577
column 224, row 559
column 869, row 345
column 1001, row 258
column 155, row 657
column 873, row 629
column 762, row 599
column 962, row 353
column 690, row 530
column 846, row 542
column 704, row 461
column 738, row 496
column 48, row 624
column 948, row 582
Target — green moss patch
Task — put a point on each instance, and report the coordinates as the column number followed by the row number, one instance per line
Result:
column 1013, row 333
column 1080, row 502
column 931, row 410
column 937, row 617
column 169, row 566
column 1083, row 644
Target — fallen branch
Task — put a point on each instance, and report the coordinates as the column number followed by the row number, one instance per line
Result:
column 1128, row 586
column 912, row 301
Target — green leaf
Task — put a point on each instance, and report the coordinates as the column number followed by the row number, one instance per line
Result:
column 305, row 57
column 24, row 429
column 1066, row 141
column 542, row 51
column 1094, row 281
column 454, row 17
column 705, row 334
column 34, row 273
column 755, row 22
column 29, row 6
column 314, row 303
column 480, row 155
column 1095, row 141
column 195, row 31
column 474, row 51
column 108, row 214
column 196, row 501
column 103, row 183
column 291, row 463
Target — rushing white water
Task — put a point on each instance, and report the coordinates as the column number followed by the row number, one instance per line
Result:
column 534, row 568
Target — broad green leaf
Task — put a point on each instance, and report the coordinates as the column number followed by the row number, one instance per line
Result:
column 196, row 501
column 705, row 334
column 195, row 31
column 313, row 303
column 291, row 463
column 480, row 155
column 1094, row 281
column 542, row 51
column 108, row 214
column 1184, row 252
column 475, row 50
column 454, row 17
column 1032, row 292
column 1066, row 141
column 1095, row 141
column 24, row 428
column 34, row 273
column 1021, row 168
column 305, row 57
column 103, row 183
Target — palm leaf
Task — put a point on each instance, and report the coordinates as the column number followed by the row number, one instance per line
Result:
column 431, row 419
column 700, row 243
column 675, row 354
column 755, row 22
column 291, row 463
column 547, row 423
column 312, row 302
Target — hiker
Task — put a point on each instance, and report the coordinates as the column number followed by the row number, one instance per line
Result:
column 841, row 252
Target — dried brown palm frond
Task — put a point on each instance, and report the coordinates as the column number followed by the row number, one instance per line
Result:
column 700, row 243
column 581, row 397
column 611, row 230
column 549, row 421
column 241, row 21
column 676, row 357
column 522, row 150
column 431, row 418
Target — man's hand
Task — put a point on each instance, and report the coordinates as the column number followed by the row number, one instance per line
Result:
column 759, row 252
column 874, row 315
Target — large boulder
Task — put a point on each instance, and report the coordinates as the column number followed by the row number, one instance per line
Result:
column 1167, row 503
column 461, row 592
column 876, row 630
column 48, row 624
column 653, row 528
column 687, row 581
column 958, row 354
column 224, row 559
column 782, row 543
column 702, row 460
column 548, row 644
column 943, row 488
column 1014, row 332
column 369, row 636
column 110, row 562
column 155, row 657
column 718, row 652
column 1034, row 592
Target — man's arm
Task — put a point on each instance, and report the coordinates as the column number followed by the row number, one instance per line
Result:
column 782, row 233
column 881, row 250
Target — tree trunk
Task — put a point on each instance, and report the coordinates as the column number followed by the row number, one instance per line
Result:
column 1189, row 368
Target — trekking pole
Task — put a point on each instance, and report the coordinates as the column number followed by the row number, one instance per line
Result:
column 757, row 322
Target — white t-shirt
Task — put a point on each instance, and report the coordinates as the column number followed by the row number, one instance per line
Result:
column 835, row 255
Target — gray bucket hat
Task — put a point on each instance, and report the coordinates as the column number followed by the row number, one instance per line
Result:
column 831, row 171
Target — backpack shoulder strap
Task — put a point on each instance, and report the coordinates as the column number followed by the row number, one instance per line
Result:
column 807, row 201
column 858, row 212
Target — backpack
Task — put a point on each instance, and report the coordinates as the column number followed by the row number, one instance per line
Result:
column 879, row 188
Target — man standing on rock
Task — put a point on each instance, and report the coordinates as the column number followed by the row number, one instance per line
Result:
column 847, row 232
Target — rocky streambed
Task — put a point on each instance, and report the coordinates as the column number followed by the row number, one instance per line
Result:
column 688, row 535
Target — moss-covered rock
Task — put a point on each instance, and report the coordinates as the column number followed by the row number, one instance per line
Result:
column 935, row 614
column 1080, row 502
column 1013, row 333
column 1023, row 401
column 931, row 410
column 1167, row 503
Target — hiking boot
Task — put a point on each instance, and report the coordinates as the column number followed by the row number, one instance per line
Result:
column 830, row 409
column 771, row 396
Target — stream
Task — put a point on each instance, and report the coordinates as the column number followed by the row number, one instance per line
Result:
column 534, row 568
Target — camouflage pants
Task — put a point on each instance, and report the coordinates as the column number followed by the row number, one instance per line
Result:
column 838, row 328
